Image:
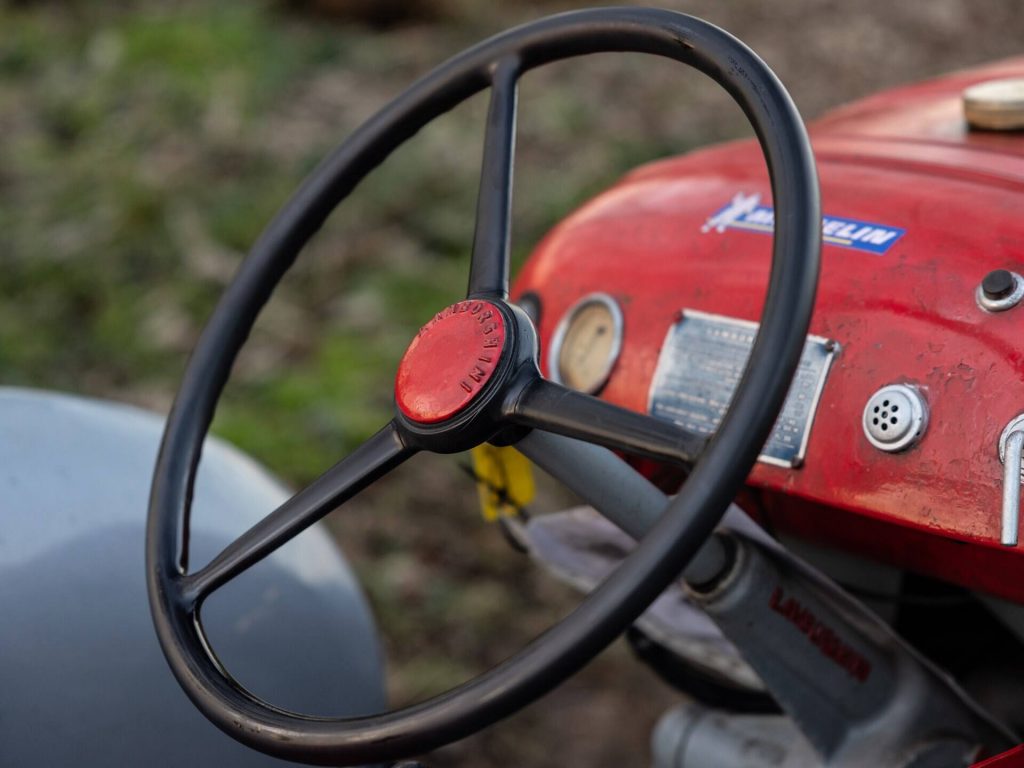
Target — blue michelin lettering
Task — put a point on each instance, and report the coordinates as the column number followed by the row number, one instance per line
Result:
column 746, row 212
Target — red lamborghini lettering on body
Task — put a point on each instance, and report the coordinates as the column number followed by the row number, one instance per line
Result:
column 823, row 637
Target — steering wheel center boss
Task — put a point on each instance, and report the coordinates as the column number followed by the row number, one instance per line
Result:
column 450, row 361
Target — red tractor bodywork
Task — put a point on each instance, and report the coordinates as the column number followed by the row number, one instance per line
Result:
column 904, row 159
column 1013, row 758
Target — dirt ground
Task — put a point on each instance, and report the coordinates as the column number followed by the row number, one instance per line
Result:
column 156, row 142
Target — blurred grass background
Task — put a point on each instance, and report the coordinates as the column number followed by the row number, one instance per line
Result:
column 143, row 146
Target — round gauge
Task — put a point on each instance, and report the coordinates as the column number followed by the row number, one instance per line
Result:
column 586, row 343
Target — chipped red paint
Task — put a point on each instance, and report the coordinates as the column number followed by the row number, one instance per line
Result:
column 903, row 159
column 449, row 361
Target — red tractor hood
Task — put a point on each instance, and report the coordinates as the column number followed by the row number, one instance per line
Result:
column 918, row 209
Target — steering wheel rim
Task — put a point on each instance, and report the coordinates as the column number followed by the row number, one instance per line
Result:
column 510, row 396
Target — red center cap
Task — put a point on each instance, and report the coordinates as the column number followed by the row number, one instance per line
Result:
column 451, row 360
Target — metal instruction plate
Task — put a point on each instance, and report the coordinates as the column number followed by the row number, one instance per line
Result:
column 700, row 366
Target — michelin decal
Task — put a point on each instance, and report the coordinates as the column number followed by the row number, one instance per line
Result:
column 746, row 212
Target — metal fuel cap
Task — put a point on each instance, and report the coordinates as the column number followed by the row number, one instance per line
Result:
column 995, row 105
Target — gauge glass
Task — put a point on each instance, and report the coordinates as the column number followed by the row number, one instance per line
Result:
column 587, row 344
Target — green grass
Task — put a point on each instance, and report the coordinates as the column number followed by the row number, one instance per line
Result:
column 145, row 149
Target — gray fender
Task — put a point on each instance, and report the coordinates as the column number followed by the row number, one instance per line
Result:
column 82, row 678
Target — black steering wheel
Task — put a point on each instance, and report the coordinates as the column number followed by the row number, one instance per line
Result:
column 470, row 376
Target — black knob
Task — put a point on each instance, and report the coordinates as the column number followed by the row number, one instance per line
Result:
column 998, row 284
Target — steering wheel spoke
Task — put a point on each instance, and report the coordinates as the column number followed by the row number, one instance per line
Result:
column 545, row 405
column 489, row 267
column 369, row 462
